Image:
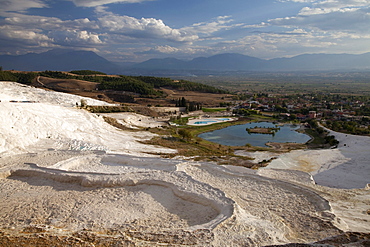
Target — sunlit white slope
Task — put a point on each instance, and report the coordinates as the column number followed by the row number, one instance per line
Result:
column 51, row 122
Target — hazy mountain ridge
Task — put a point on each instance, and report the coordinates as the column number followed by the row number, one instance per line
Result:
column 66, row 60
column 322, row 62
column 239, row 62
column 227, row 61
column 59, row 59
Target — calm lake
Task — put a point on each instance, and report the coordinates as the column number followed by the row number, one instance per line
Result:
column 238, row 136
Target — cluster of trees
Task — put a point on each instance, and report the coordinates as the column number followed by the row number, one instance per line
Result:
column 331, row 140
column 21, row 77
column 190, row 105
column 363, row 111
column 87, row 72
column 143, row 85
column 225, row 104
column 244, row 112
column 7, row 76
column 350, row 127
column 56, row 74
column 128, row 83
column 147, row 85
column 159, row 82
column 320, row 135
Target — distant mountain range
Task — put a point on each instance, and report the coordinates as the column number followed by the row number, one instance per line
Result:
column 66, row 60
column 238, row 62
column 59, row 60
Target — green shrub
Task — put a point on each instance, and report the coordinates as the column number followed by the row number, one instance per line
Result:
column 86, row 72
column 185, row 134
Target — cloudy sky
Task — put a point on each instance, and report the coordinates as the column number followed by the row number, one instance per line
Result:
column 136, row 30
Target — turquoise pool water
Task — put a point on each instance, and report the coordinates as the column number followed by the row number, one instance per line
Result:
column 205, row 122
column 211, row 120
column 238, row 136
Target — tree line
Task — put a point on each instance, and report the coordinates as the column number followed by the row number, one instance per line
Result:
column 143, row 85
column 189, row 105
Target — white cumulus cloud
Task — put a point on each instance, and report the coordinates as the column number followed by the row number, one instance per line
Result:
column 208, row 28
column 28, row 36
column 19, row 5
column 30, row 31
column 355, row 21
column 141, row 28
column 74, row 37
column 95, row 3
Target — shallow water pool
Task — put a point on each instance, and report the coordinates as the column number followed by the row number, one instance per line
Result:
column 205, row 122
column 238, row 136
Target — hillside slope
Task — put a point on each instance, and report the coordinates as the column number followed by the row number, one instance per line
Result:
column 67, row 178
column 50, row 118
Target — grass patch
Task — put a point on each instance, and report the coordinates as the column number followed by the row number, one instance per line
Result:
column 318, row 140
column 180, row 121
column 213, row 109
column 199, row 150
column 185, row 140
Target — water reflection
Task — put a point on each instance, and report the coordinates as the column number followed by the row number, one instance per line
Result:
column 238, row 136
